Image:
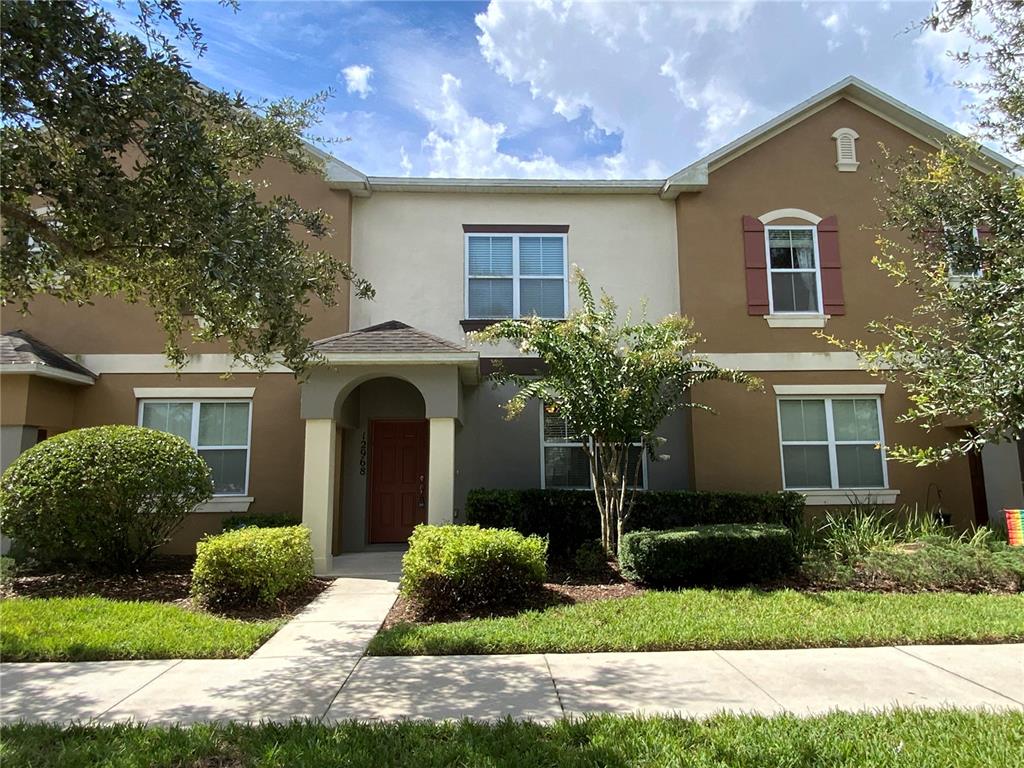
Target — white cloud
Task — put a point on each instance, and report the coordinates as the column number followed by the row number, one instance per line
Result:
column 357, row 79
column 404, row 162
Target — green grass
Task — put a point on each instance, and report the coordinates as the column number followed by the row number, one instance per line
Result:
column 899, row 739
column 699, row 619
column 97, row 629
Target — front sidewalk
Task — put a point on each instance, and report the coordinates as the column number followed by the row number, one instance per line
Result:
column 314, row 668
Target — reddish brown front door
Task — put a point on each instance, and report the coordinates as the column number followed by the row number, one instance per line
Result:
column 398, row 479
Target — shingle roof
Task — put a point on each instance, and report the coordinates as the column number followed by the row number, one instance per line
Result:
column 391, row 337
column 22, row 349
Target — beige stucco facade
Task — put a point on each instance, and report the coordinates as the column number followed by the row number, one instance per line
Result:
column 411, row 246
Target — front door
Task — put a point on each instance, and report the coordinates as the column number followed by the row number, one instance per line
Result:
column 398, row 479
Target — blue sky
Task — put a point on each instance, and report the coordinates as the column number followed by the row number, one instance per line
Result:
column 557, row 90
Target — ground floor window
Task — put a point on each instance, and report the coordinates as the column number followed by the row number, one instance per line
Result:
column 219, row 431
column 565, row 463
column 832, row 442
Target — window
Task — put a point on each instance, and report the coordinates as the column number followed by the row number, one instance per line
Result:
column 565, row 463
column 793, row 280
column 515, row 276
column 217, row 429
column 963, row 253
column 832, row 442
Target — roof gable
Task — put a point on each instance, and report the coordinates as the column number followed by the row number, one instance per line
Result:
column 392, row 337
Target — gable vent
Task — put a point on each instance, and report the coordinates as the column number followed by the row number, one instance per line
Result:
column 846, row 149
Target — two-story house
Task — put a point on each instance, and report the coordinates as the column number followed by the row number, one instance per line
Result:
column 763, row 242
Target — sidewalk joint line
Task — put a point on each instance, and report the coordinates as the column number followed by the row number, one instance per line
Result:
column 957, row 674
column 145, row 684
column 554, row 684
column 343, row 684
column 749, row 679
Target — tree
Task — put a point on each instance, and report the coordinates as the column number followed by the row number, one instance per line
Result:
column 123, row 176
column 953, row 233
column 613, row 384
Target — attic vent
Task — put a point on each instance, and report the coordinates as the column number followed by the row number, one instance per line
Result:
column 846, row 149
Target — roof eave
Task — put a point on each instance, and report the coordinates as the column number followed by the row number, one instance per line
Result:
column 47, row 372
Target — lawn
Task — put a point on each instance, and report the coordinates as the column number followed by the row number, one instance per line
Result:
column 700, row 619
column 902, row 738
column 97, row 629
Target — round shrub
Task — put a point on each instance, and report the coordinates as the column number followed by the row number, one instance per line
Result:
column 101, row 497
column 252, row 566
column 456, row 568
column 708, row 555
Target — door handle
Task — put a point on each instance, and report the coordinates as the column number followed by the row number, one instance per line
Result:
column 422, row 501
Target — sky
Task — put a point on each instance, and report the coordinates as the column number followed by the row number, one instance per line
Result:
column 551, row 89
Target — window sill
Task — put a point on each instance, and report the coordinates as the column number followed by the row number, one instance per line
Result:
column 226, row 504
column 796, row 321
column 819, row 497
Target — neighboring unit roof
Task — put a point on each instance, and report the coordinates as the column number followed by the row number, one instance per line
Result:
column 390, row 338
column 855, row 90
column 552, row 186
column 20, row 352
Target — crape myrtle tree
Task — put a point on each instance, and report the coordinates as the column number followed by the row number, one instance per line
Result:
column 953, row 232
column 123, row 176
column 612, row 383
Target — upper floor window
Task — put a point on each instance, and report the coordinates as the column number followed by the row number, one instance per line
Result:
column 217, row 429
column 513, row 275
column 831, row 442
column 794, row 279
column 963, row 253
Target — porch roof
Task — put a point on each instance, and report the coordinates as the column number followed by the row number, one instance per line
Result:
column 20, row 352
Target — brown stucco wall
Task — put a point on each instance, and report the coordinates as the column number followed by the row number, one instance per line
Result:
column 795, row 169
column 276, row 445
column 111, row 326
column 38, row 402
column 737, row 447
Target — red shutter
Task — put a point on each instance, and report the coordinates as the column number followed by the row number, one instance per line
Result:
column 831, row 269
column 984, row 232
column 756, row 266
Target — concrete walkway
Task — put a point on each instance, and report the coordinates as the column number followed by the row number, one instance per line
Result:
column 314, row 668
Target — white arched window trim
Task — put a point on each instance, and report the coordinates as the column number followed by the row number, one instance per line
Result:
column 789, row 213
column 846, row 149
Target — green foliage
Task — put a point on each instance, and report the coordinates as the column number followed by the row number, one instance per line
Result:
column 97, row 629
column 702, row 619
column 8, row 568
column 708, row 555
column 101, row 497
column 123, row 176
column 234, row 522
column 252, row 566
column 453, row 568
column 614, row 383
column 591, row 560
column 901, row 738
column 568, row 519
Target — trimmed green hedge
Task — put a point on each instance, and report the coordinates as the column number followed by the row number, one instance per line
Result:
column 235, row 522
column 252, row 566
column 452, row 568
column 708, row 555
column 569, row 518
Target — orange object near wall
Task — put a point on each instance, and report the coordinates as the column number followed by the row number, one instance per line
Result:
column 1015, row 526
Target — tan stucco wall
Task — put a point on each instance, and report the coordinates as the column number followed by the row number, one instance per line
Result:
column 795, row 169
column 38, row 402
column 111, row 326
column 737, row 448
column 275, row 470
column 411, row 247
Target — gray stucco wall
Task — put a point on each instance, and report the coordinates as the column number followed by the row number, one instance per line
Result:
column 491, row 452
column 14, row 440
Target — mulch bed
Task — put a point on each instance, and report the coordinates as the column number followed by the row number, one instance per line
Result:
column 165, row 580
column 563, row 589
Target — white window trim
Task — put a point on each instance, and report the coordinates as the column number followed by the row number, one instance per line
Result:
column 957, row 279
column 192, row 393
column 515, row 276
column 789, row 213
column 796, row 320
column 817, row 272
column 544, row 443
column 194, row 436
column 823, row 390
column 836, row 490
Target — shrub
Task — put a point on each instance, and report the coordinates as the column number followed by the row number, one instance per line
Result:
column 455, row 568
column 234, row 522
column 591, row 560
column 708, row 555
column 102, row 497
column 569, row 518
column 252, row 566
column 8, row 568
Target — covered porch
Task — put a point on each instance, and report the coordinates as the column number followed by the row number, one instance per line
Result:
column 381, row 413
